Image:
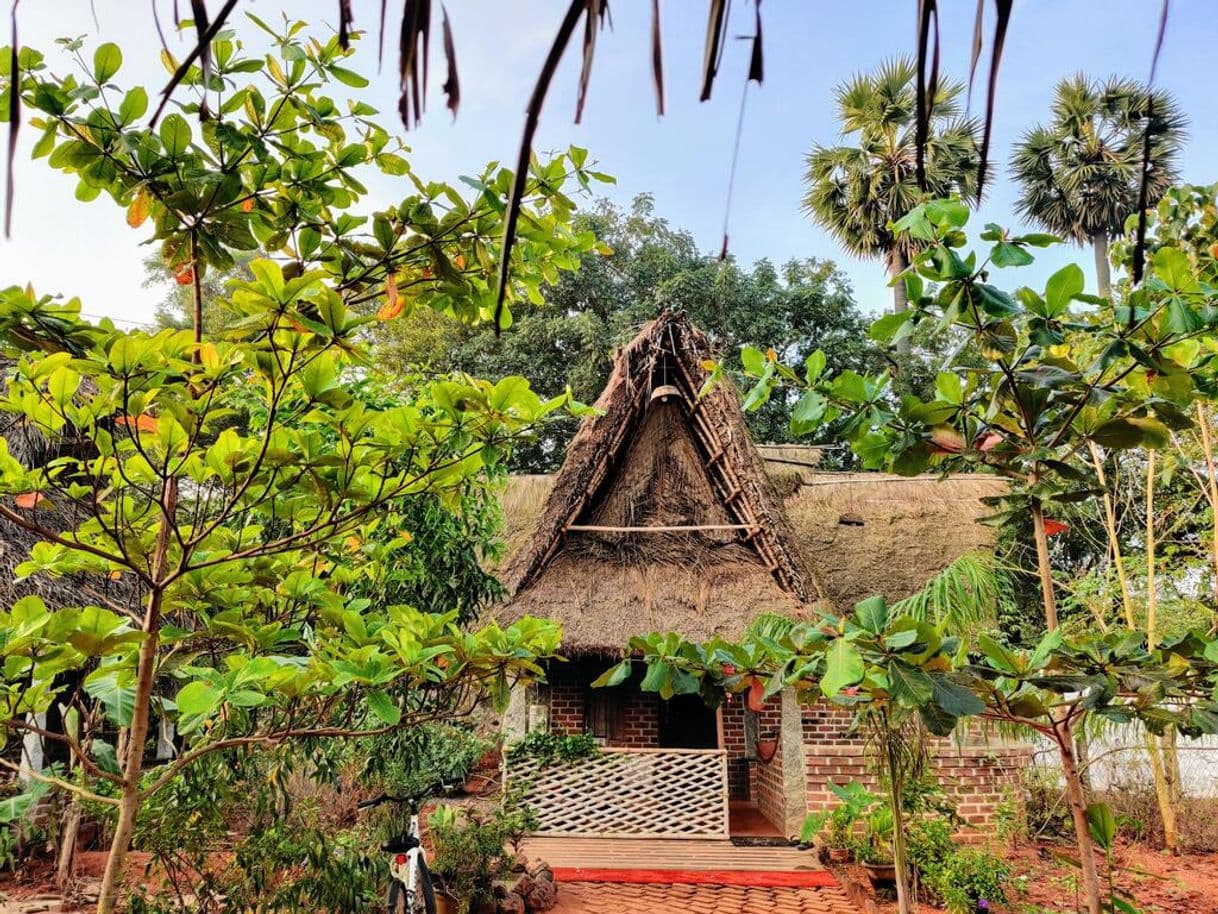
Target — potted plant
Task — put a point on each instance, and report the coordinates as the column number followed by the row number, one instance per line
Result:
column 875, row 849
column 471, row 853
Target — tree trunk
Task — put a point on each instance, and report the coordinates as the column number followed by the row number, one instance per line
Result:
column 897, row 263
column 1211, row 479
column 1076, row 798
column 137, row 733
column 1103, row 270
column 1158, row 755
column 65, row 862
column 899, row 856
column 1046, row 569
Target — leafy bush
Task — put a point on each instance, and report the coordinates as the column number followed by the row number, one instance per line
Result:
column 409, row 760
column 966, row 876
column 472, row 850
column 554, row 747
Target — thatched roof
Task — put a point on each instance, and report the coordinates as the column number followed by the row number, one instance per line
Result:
column 669, row 460
column 802, row 536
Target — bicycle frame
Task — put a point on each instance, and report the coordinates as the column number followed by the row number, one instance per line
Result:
column 404, row 868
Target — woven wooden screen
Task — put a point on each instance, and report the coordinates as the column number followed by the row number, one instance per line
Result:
column 627, row 793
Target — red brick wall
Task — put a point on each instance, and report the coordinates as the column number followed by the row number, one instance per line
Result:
column 741, row 767
column 640, row 714
column 975, row 777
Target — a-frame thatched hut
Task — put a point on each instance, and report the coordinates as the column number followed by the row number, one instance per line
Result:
column 666, row 517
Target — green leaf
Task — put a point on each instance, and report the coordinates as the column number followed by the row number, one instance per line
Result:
column 891, row 326
column 613, row 676
column 814, row 365
column 384, row 708
column 871, row 614
column 197, row 697
column 1102, row 824
column 753, row 360
column 348, row 77
column 106, row 61
column 843, row 667
column 1172, row 266
column 15, row 808
column 949, row 387
column 808, row 412
column 133, row 105
column 1062, row 288
column 175, row 134
column 910, row 686
column 1006, row 254
column 118, row 699
column 954, row 698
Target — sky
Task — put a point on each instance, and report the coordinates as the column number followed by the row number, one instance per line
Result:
column 66, row 247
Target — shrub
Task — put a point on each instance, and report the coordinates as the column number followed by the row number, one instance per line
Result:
column 472, row 850
column 965, row 876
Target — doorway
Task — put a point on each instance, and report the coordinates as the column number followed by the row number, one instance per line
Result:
column 687, row 723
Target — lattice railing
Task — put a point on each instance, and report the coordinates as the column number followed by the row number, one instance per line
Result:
column 627, row 793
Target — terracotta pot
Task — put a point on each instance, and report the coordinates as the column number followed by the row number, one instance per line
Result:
column 766, row 749
column 477, row 785
column 881, row 873
column 839, row 855
column 445, row 903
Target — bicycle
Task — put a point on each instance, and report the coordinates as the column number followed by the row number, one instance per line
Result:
column 409, row 880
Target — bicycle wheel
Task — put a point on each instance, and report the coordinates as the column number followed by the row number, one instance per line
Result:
column 425, row 893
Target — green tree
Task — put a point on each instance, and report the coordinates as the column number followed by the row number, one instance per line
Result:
column 641, row 264
column 1080, row 176
column 244, row 625
column 856, row 192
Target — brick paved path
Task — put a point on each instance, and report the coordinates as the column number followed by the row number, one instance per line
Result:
column 616, row 898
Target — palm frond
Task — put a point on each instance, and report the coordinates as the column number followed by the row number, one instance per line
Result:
column 962, row 598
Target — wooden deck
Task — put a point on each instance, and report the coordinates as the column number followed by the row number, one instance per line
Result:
column 667, row 854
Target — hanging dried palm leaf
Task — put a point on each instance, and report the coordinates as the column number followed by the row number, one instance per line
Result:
column 414, row 42
column 575, row 11
column 975, row 56
column 345, row 20
column 1002, row 20
column 928, row 83
column 14, row 124
column 657, row 57
column 452, row 85
column 716, row 34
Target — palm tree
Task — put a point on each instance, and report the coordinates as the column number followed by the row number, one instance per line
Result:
column 1081, row 174
column 857, row 192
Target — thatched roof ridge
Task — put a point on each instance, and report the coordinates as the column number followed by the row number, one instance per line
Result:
column 668, row 350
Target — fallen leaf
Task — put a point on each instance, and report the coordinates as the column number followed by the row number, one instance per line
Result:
column 29, row 500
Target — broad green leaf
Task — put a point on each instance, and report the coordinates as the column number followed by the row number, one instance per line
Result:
column 175, row 134
column 117, row 697
column 106, row 61
column 843, row 667
column 871, row 614
column 384, row 708
column 197, row 697
column 1062, row 288
column 1102, row 824
column 613, row 676
column 910, row 686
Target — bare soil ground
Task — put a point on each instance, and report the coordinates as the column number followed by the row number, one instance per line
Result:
column 1044, row 884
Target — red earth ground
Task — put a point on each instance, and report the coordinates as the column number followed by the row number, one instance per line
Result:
column 1159, row 883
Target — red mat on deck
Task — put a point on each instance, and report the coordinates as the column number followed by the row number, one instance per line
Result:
column 812, row 879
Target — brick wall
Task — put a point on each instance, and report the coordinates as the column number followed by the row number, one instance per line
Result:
column 742, row 766
column 640, row 713
column 977, row 778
